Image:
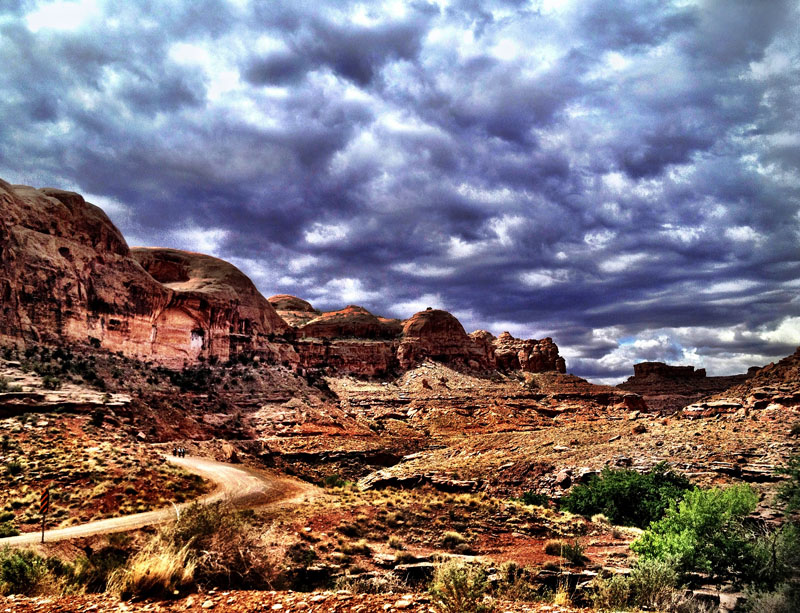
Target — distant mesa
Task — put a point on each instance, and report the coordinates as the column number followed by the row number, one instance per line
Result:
column 67, row 274
column 660, row 369
column 669, row 388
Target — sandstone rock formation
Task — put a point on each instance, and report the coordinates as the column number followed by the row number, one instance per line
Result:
column 670, row 388
column 528, row 355
column 437, row 335
column 217, row 303
column 67, row 274
column 350, row 322
column 294, row 311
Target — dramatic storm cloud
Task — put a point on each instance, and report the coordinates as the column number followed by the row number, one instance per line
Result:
column 621, row 176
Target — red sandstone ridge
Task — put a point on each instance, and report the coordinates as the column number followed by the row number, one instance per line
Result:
column 528, row 354
column 67, row 274
column 350, row 322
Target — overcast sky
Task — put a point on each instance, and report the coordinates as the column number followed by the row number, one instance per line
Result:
column 621, row 176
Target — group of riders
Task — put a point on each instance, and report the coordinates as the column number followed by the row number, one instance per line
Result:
column 179, row 452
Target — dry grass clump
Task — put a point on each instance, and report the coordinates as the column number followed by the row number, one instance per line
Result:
column 209, row 545
column 159, row 569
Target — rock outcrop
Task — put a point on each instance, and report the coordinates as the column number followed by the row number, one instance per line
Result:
column 437, row 335
column 217, row 304
column 293, row 310
column 67, row 274
column 350, row 322
column 527, row 354
column 670, row 388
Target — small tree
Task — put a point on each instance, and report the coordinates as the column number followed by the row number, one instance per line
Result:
column 627, row 497
column 705, row 532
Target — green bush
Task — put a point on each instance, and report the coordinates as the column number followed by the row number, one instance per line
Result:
column 14, row 468
column 22, row 571
column 534, row 499
column 8, row 528
column 652, row 583
column 705, row 532
column 460, row 588
column 627, row 497
column 789, row 492
column 51, row 382
column 611, row 594
column 572, row 551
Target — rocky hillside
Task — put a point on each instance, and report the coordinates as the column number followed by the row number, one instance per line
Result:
column 773, row 388
column 670, row 388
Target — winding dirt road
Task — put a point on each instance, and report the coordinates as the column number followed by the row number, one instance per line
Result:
column 236, row 484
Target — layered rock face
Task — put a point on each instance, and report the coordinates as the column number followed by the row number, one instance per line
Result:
column 67, row 274
column 529, row 355
column 670, row 388
column 437, row 335
column 217, row 304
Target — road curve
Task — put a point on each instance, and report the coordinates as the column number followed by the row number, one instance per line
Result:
column 235, row 484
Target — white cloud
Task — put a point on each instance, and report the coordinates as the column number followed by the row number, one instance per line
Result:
column 62, row 16
column 344, row 291
column 407, row 308
column 544, row 278
column 622, row 263
column 743, row 234
column 200, row 240
column 423, row 270
column 302, row 262
column 322, row 234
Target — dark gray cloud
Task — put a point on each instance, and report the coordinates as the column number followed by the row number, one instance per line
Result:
column 620, row 176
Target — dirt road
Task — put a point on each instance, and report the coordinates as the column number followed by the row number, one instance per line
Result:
column 236, row 484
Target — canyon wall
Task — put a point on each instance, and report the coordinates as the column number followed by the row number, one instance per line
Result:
column 67, row 275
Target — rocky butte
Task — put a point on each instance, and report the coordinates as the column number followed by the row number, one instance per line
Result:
column 67, row 275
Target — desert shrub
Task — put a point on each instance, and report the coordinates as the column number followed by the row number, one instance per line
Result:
column 93, row 570
column 514, row 583
column 158, row 569
column 354, row 549
column 209, row 545
column 22, row 571
column 785, row 599
column 705, row 532
column 572, row 551
column 14, row 468
column 3, row 384
column 223, row 547
column 553, row 547
column 534, row 498
column 7, row 528
column 652, row 583
column 51, row 382
column 334, row 481
column 627, row 497
column 789, row 492
column 395, row 542
column 460, row 588
column 611, row 594
column 452, row 539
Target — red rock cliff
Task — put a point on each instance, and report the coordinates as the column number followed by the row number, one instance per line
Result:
column 67, row 274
